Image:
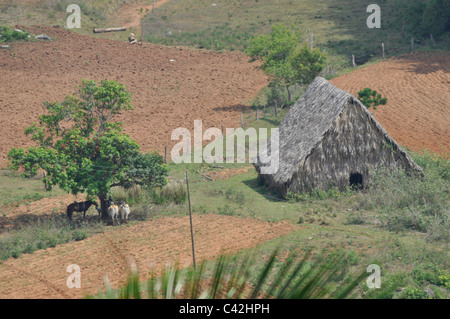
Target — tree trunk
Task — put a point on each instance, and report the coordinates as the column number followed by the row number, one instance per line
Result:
column 104, row 205
column 289, row 93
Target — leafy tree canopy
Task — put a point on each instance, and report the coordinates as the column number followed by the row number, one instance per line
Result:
column 83, row 150
column 284, row 59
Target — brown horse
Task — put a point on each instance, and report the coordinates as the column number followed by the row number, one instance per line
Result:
column 80, row 207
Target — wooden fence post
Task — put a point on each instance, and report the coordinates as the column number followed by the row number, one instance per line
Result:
column 382, row 48
column 190, row 217
column 353, row 61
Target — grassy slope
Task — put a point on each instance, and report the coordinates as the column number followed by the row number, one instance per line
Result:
column 338, row 26
column 17, row 190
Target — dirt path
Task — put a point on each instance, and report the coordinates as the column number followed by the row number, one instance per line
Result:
column 43, row 274
column 417, row 114
column 130, row 15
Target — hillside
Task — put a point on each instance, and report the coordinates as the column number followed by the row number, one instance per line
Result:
column 402, row 226
column 417, row 114
column 165, row 95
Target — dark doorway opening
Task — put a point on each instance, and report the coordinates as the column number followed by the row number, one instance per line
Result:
column 356, row 181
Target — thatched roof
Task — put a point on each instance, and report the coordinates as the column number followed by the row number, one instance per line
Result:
column 309, row 120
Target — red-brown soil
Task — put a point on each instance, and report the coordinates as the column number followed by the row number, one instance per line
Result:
column 149, row 245
column 417, row 114
column 166, row 95
column 226, row 173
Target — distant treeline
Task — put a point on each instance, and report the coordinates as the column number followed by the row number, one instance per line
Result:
column 424, row 17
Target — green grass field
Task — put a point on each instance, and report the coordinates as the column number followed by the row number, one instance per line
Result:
column 367, row 226
column 337, row 26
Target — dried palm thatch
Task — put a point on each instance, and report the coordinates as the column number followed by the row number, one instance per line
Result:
column 329, row 139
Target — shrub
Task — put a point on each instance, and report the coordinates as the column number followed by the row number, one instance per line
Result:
column 9, row 35
column 355, row 219
column 413, row 293
column 132, row 195
column 174, row 192
column 226, row 210
column 370, row 98
column 411, row 202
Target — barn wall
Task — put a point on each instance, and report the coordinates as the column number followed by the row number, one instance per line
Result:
column 352, row 145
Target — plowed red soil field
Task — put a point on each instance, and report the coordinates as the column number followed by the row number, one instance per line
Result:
column 417, row 86
column 149, row 245
column 166, row 94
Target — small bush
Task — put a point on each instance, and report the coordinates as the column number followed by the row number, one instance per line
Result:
column 431, row 274
column 413, row 293
column 9, row 35
column 174, row 192
column 133, row 195
column 370, row 98
column 411, row 202
column 355, row 219
column 226, row 210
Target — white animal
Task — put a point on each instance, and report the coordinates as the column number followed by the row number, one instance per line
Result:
column 113, row 212
column 124, row 211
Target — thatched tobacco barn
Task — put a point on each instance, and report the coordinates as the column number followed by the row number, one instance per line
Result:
column 329, row 139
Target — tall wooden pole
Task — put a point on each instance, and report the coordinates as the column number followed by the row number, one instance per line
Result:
column 190, row 217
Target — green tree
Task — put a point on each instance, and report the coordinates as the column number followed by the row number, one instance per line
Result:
column 83, row 150
column 425, row 17
column 307, row 64
column 436, row 18
column 283, row 59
